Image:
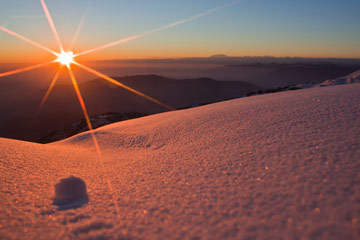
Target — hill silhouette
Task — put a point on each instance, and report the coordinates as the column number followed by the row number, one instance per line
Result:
column 62, row 107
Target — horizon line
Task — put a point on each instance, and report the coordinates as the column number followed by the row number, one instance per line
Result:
column 216, row 56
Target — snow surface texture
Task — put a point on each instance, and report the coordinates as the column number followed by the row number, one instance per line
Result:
column 275, row 166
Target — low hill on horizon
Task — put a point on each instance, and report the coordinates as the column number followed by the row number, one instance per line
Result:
column 63, row 108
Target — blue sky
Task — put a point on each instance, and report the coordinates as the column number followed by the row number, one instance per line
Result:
column 317, row 28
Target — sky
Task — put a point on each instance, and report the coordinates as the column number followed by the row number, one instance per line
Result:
column 307, row 28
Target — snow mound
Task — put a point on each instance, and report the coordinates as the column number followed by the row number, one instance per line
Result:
column 70, row 193
column 275, row 166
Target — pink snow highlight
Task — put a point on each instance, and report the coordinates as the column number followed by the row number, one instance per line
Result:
column 275, row 166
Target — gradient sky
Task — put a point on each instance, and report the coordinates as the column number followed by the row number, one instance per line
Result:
column 306, row 28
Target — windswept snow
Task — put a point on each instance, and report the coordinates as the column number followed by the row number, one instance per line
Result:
column 275, row 166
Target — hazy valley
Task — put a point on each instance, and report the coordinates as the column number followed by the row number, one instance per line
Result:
column 209, row 80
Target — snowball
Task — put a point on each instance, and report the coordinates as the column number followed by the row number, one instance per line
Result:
column 70, row 190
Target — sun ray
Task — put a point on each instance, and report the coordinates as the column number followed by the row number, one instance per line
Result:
column 52, row 84
column 26, row 40
column 66, row 59
column 140, row 35
column 96, row 143
column 52, row 25
column 81, row 100
column 5, row 25
column 113, row 81
column 25, row 69
column 80, row 26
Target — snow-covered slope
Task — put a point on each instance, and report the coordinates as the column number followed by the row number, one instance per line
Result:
column 276, row 166
column 351, row 78
column 348, row 79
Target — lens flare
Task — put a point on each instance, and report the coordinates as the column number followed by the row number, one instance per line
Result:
column 52, row 25
column 12, row 72
column 171, row 25
column 52, row 84
column 80, row 26
column 95, row 141
column 65, row 58
column 113, row 81
column 26, row 40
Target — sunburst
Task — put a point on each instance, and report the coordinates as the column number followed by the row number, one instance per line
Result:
column 67, row 58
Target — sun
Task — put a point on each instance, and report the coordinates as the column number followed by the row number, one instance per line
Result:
column 65, row 58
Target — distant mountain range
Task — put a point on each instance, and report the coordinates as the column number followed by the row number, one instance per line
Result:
column 263, row 72
column 20, row 95
column 219, row 56
column 225, row 59
column 108, row 118
column 270, row 75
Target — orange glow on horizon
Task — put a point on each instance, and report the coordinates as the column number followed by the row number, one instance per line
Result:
column 66, row 58
column 25, row 69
